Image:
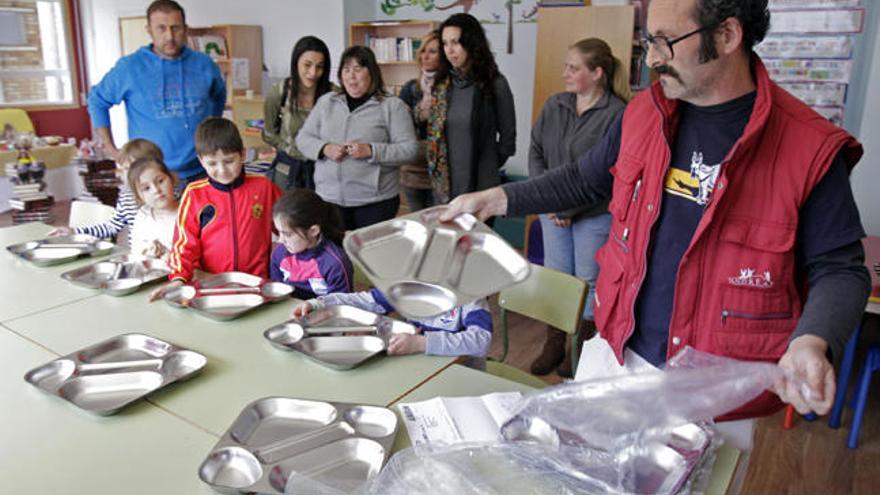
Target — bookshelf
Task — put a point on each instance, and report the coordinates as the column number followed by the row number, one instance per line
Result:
column 242, row 42
column 395, row 72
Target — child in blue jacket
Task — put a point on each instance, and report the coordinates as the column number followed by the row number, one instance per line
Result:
column 465, row 330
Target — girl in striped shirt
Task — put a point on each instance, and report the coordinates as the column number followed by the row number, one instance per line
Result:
column 126, row 207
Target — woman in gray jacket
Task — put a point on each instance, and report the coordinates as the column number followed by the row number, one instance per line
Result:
column 571, row 123
column 359, row 136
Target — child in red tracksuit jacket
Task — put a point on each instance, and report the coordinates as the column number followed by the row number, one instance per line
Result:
column 225, row 221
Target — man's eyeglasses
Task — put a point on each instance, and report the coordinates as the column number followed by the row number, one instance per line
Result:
column 663, row 45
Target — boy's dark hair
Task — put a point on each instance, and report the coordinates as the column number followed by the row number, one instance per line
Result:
column 301, row 208
column 753, row 16
column 165, row 6
column 365, row 58
column 217, row 134
column 139, row 167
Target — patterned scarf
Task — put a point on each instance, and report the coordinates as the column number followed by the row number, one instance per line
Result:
column 437, row 152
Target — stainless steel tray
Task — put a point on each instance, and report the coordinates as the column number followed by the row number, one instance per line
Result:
column 276, row 437
column 341, row 337
column 119, row 276
column 227, row 295
column 654, row 467
column 57, row 250
column 108, row 376
column 426, row 268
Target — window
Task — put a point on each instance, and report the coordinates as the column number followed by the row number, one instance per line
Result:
column 35, row 58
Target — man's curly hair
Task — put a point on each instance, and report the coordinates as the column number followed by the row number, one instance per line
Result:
column 752, row 15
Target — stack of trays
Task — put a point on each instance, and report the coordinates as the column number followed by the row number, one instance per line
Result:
column 57, row 250
column 119, row 276
column 331, row 443
column 227, row 295
column 108, row 376
column 341, row 337
column 426, row 268
column 653, row 467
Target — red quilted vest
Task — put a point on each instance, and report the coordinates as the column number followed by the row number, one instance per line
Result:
column 738, row 291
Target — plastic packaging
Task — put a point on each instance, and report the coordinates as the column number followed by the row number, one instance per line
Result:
column 636, row 434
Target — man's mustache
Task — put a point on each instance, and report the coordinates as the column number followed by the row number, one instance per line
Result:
column 667, row 70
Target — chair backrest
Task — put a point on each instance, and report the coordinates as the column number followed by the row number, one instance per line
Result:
column 360, row 278
column 550, row 296
column 85, row 213
column 18, row 118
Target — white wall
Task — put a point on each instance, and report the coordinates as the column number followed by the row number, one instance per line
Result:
column 866, row 176
column 283, row 23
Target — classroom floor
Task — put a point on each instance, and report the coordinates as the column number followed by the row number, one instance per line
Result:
column 810, row 458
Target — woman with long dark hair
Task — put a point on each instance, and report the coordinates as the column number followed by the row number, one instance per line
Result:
column 572, row 122
column 288, row 105
column 359, row 136
column 472, row 126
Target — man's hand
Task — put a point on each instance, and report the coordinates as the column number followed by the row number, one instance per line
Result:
column 359, row 151
column 107, row 147
column 482, row 204
column 407, row 344
column 161, row 291
column 335, row 152
column 805, row 359
column 60, row 231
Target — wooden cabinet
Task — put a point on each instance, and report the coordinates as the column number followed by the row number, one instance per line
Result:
column 397, row 68
column 560, row 27
column 243, row 43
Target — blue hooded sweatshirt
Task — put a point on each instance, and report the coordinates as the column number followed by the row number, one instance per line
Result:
column 165, row 100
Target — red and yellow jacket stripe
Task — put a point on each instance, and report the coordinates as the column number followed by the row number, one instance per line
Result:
column 224, row 227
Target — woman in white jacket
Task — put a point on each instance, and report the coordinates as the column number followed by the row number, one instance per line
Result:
column 359, row 136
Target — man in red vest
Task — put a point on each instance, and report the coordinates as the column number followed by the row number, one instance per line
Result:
column 734, row 226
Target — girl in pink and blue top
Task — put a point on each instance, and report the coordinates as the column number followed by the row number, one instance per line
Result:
column 309, row 257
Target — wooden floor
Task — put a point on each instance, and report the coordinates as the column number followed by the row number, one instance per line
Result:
column 811, row 458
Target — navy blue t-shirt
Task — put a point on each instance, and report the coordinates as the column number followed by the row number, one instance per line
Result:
column 705, row 135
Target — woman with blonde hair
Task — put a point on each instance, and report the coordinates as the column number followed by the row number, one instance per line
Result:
column 414, row 177
column 570, row 123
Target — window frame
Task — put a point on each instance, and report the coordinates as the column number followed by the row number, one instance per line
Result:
column 72, row 69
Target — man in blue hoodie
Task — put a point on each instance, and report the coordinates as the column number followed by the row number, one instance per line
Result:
column 168, row 90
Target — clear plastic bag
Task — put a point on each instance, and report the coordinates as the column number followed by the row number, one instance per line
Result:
column 641, row 433
column 636, row 434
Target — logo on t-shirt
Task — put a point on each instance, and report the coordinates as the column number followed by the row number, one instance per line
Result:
column 257, row 210
column 695, row 185
column 749, row 278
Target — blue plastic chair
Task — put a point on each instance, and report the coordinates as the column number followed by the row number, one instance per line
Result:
column 846, row 366
column 872, row 364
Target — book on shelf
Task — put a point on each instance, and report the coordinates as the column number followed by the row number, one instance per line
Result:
column 401, row 49
column 31, row 204
column 28, row 187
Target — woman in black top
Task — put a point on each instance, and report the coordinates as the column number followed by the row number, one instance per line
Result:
column 472, row 125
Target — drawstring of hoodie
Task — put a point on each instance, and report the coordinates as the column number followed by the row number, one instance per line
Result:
column 182, row 88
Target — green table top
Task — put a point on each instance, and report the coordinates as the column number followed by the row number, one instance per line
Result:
column 242, row 365
column 50, row 446
column 28, row 288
